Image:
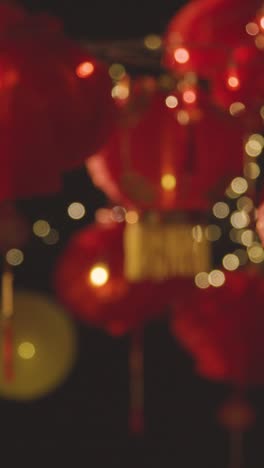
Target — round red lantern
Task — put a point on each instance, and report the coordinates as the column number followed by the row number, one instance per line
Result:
column 169, row 159
column 90, row 282
column 55, row 104
column 161, row 159
column 203, row 35
column 223, row 329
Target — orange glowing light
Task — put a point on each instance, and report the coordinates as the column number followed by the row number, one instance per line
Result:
column 261, row 22
column 233, row 82
column 189, row 96
column 181, row 55
column 84, row 70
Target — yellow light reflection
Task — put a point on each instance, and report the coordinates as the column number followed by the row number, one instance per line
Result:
column 99, row 275
column 221, row 210
column 153, row 42
column 248, row 237
column 197, row 233
column 201, row 280
column 239, row 185
column 132, row 217
column 252, row 170
column 168, row 182
column 183, row 117
column 181, row 55
column 239, row 219
column 14, row 257
column 120, row 91
column 256, row 253
column 41, row 228
column 245, row 204
column 171, row 102
column 76, row 210
column 230, row 262
column 253, row 148
column 117, row 71
column 216, row 278
column 26, row 350
column 236, row 108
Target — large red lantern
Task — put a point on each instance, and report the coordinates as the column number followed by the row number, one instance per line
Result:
column 90, row 282
column 169, row 160
column 203, row 35
column 55, row 104
column 163, row 160
column 223, row 329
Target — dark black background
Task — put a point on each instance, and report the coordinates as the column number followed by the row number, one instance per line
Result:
column 84, row 422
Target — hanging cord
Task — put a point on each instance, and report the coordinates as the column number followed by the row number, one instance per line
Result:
column 136, row 367
column 7, row 322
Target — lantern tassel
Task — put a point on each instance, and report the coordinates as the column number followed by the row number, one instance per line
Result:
column 157, row 250
column 236, row 449
column 7, row 312
column 136, row 358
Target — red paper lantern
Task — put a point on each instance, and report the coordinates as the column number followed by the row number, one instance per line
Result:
column 241, row 83
column 204, row 34
column 162, row 159
column 55, row 104
column 223, row 329
column 89, row 281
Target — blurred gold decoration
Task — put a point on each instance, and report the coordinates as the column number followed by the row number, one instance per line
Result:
column 44, row 347
column 158, row 249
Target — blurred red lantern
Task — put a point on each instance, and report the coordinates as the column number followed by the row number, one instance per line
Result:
column 159, row 158
column 170, row 160
column 55, row 104
column 203, row 35
column 89, row 281
column 241, row 84
column 223, row 329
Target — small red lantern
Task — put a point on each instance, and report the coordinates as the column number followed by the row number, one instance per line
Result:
column 204, row 34
column 223, row 329
column 51, row 118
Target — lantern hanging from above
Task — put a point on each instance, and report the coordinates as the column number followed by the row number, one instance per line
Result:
column 223, row 329
column 203, row 35
column 169, row 167
column 55, row 104
column 90, row 282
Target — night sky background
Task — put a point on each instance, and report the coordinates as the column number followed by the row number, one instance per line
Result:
column 85, row 421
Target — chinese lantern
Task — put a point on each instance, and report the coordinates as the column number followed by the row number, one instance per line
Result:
column 90, row 282
column 203, row 35
column 223, row 329
column 42, row 347
column 55, row 104
column 170, row 168
column 240, row 87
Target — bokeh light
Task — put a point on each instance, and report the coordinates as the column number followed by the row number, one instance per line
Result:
column 181, row 55
column 76, row 210
column 85, row 69
column 230, row 262
column 153, row 42
column 14, row 257
column 26, row 350
column 171, row 102
column 168, row 182
column 99, row 275
column 201, row 280
column 41, row 228
column 221, row 210
column 216, row 278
